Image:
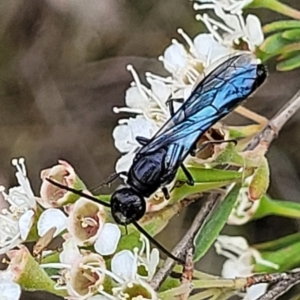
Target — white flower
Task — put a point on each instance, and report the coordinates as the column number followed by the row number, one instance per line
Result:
column 149, row 102
column 126, row 263
column 86, row 224
column 187, row 66
column 82, row 272
column 240, row 262
column 232, row 6
column 125, row 266
column 234, row 28
column 244, row 208
column 17, row 219
column 125, row 138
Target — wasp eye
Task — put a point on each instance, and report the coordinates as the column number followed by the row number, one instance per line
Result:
column 127, row 206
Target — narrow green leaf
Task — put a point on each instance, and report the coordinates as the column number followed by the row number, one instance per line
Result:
column 212, row 228
column 279, row 243
column 274, row 44
column 292, row 35
column 202, row 175
column 237, row 132
column 186, row 190
column 281, row 25
column 289, row 64
column 286, row 258
column 276, row 6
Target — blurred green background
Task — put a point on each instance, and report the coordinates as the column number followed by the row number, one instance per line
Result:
column 63, row 68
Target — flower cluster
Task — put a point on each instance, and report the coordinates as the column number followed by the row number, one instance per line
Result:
column 187, row 64
column 89, row 239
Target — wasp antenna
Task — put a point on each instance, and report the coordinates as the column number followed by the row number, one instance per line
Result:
column 157, row 244
column 78, row 192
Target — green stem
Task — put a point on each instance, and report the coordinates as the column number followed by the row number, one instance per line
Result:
column 277, row 7
column 205, row 294
column 173, row 293
column 268, row 206
column 236, row 284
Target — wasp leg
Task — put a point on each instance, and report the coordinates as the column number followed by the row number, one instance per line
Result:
column 166, row 193
column 142, row 140
column 111, row 178
column 195, row 150
column 188, row 175
column 170, row 103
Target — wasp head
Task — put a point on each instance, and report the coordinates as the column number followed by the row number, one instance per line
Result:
column 127, row 206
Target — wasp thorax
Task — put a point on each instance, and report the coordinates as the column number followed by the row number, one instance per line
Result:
column 127, row 206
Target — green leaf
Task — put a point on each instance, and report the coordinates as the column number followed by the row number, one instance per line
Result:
column 169, row 283
column 286, row 258
column 30, row 275
column 212, row 228
column 202, row 175
column 273, row 44
column 290, row 63
column 279, row 243
column 238, row 132
column 51, row 258
column 187, row 190
column 281, row 25
column 129, row 241
column 276, row 6
column 268, row 206
column 293, row 35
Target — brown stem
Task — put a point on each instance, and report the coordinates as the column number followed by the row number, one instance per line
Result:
column 270, row 132
column 284, row 284
column 186, row 241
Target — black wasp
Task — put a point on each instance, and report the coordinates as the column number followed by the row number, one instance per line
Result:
column 157, row 161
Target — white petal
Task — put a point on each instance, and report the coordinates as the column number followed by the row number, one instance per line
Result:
column 135, row 99
column 125, row 134
column 20, row 199
column 208, row 47
column 6, row 275
column 174, row 57
column 256, row 291
column 124, row 162
column 10, row 290
column 108, row 239
column 70, row 252
column 124, row 264
column 50, row 218
column 154, row 260
column 140, row 126
column 160, row 90
column 123, row 138
column 25, row 223
column 232, row 21
column 254, row 29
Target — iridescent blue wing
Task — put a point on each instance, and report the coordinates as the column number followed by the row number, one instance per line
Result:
column 212, row 99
